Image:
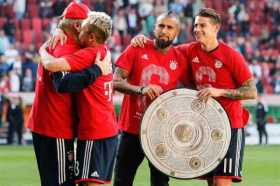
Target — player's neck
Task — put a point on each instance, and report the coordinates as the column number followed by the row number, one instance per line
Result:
column 210, row 45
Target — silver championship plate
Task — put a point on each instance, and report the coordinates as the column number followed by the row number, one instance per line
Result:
column 184, row 137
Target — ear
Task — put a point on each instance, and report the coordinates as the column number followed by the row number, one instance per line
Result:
column 92, row 37
column 218, row 26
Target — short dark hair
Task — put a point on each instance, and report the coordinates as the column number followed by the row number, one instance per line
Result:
column 169, row 14
column 210, row 13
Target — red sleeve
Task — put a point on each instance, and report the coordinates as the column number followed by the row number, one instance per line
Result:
column 84, row 58
column 240, row 68
column 187, row 77
column 127, row 58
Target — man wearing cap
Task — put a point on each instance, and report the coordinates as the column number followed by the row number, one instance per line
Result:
column 97, row 129
column 52, row 117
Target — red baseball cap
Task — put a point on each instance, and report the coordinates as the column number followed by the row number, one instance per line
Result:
column 76, row 11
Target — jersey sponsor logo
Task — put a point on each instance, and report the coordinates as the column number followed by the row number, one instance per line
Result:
column 146, row 77
column 95, row 174
column 205, row 71
column 173, row 64
column 195, row 60
column 218, row 63
column 145, row 57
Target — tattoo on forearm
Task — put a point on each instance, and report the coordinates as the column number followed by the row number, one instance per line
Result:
column 121, row 84
column 246, row 91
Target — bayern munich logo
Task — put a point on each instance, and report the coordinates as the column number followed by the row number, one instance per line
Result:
column 173, row 65
column 218, row 63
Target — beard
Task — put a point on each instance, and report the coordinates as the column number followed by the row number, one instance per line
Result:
column 162, row 44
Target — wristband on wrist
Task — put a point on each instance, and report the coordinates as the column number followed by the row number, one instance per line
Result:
column 140, row 90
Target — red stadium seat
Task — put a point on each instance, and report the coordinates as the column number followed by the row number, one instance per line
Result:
column 38, row 39
column 25, row 24
column 18, row 35
column 2, row 21
column 32, row 1
column 36, row 24
column 45, row 23
column 27, row 38
column 33, row 10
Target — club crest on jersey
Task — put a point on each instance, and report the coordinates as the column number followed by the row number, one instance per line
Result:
column 195, row 60
column 173, row 65
column 218, row 63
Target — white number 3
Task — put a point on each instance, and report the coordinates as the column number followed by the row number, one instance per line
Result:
column 108, row 87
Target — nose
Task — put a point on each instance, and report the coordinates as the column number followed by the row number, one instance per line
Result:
column 164, row 30
column 196, row 30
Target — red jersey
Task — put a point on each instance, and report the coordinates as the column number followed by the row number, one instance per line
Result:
column 222, row 68
column 94, row 103
column 147, row 66
column 52, row 112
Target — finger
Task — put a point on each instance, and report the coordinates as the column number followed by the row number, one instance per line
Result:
column 157, row 92
column 63, row 40
column 50, row 43
column 145, row 39
column 97, row 57
column 142, row 42
column 136, row 42
column 108, row 56
column 150, row 93
column 133, row 42
column 54, row 43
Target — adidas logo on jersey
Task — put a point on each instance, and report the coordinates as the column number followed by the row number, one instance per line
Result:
column 95, row 174
column 145, row 56
column 195, row 60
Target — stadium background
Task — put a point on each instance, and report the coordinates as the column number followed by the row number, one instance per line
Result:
column 250, row 26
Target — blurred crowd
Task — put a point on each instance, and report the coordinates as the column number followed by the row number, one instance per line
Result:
column 250, row 26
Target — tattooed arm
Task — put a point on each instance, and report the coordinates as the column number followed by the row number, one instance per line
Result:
column 247, row 91
column 121, row 84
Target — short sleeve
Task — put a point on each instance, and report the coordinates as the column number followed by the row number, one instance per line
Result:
column 81, row 59
column 240, row 68
column 127, row 58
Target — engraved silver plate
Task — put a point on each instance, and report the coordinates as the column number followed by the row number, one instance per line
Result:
column 184, row 137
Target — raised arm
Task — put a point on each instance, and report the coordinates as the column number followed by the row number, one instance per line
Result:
column 52, row 63
column 59, row 37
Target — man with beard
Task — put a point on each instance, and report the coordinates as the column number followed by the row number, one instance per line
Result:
column 218, row 71
column 143, row 74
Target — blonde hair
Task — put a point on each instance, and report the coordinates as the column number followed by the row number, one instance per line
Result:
column 101, row 24
column 68, row 23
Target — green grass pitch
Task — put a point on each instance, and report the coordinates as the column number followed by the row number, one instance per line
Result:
column 261, row 168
